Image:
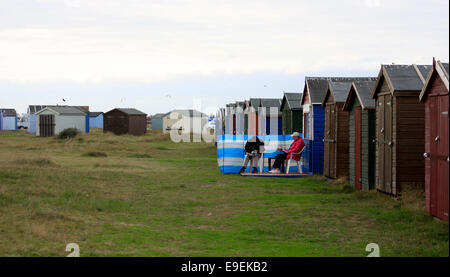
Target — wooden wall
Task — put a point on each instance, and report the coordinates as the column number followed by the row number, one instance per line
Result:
column 410, row 139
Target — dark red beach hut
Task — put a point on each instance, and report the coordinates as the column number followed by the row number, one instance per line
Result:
column 435, row 96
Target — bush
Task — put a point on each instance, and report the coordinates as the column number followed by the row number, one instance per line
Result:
column 68, row 133
column 95, row 154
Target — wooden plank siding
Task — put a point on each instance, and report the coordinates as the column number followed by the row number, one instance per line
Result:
column 410, row 138
column 351, row 147
column 367, row 146
column 341, row 142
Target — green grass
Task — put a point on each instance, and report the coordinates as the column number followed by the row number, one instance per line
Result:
column 152, row 197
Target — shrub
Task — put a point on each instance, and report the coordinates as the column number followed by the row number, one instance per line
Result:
column 68, row 133
column 95, row 154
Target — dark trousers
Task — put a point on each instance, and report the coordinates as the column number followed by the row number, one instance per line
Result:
column 279, row 159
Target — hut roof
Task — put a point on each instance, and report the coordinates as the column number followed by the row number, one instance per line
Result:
column 254, row 102
column 64, row 110
column 403, row 77
column 339, row 88
column 9, row 112
column 130, row 111
column 95, row 114
column 292, row 99
column 32, row 109
column 269, row 103
column 317, row 86
column 362, row 90
column 159, row 115
column 442, row 70
column 190, row 113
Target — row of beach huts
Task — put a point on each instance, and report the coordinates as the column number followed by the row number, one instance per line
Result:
column 382, row 133
column 50, row 120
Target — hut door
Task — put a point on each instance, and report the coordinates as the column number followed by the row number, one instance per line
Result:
column 358, row 148
column 439, row 154
column 443, row 204
column 326, row 152
column 46, row 125
column 332, row 140
column 384, row 142
column 234, row 124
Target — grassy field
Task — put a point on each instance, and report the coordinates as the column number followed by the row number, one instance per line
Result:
column 147, row 196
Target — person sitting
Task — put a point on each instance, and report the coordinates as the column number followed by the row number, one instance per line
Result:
column 296, row 147
column 253, row 149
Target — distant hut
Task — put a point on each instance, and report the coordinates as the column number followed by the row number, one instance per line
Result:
column 335, row 153
column 95, row 120
column 51, row 120
column 292, row 113
column 240, row 117
column 9, row 119
column 187, row 121
column 253, row 117
column 246, row 113
column 400, row 130
column 33, row 109
column 361, row 132
column 435, row 96
column 157, row 121
column 230, row 119
column 270, row 116
column 125, row 121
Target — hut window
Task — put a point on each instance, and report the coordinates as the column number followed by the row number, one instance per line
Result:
column 306, row 125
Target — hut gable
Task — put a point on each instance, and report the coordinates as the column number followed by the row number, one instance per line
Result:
column 292, row 100
column 439, row 69
column 401, row 78
column 360, row 91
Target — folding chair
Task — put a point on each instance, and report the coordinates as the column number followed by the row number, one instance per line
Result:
column 299, row 162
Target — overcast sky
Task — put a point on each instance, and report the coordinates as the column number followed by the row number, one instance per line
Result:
column 158, row 55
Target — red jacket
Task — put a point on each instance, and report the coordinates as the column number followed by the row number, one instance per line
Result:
column 296, row 146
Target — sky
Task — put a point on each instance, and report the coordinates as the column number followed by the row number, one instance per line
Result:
column 164, row 54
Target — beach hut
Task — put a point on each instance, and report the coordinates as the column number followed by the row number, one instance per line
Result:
column 125, row 121
column 95, row 120
column 400, row 130
column 240, row 117
column 361, row 133
column 253, row 117
column 291, row 113
column 270, row 116
column 435, row 97
column 187, row 121
column 246, row 113
column 9, row 119
column 51, row 120
column 157, row 121
column 230, row 119
column 33, row 109
column 335, row 151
